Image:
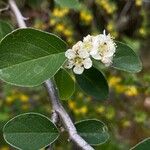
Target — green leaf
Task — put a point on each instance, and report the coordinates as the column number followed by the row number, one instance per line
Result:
column 126, row 59
column 73, row 4
column 143, row 145
column 30, row 131
column 29, row 57
column 93, row 83
column 65, row 84
column 5, row 28
column 93, row 131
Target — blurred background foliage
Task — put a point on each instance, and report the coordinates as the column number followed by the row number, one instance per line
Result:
column 127, row 110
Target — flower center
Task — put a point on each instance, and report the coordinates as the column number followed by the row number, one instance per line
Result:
column 87, row 46
column 103, row 48
column 78, row 60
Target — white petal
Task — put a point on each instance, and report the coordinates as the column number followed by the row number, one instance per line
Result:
column 96, row 40
column 96, row 56
column 108, row 54
column 78, row 70
column 83, row 53
column 104, row 32
column 70, row 54
column 107, row 61
column 77, row 46
column 69, row 64
column 94, row 51
column 87, row 63
column 88, row 38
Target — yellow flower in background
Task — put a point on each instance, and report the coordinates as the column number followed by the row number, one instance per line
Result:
column 52, row 22
column 142, row 31
column 68, row 32
column 4, row 148
column 113, row 81
column 138, row 2
column 59, row 28
column 86, row 17
column 24, row 98
column 17, row 96
column 109, row 7
column 120, row 88
column 83, row 110
column 72, row 104
column 76, row 111
column 111, row 27
column 131, row 91
column 58, row 12
column 70, row 40
column 10, row 100
column 100, row 109
column 65, row 11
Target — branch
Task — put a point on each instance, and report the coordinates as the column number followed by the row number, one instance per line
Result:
column 67, row 122
column 17, row 14
column 57, row 107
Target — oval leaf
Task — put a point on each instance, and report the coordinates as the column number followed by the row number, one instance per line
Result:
column 93, row 131
column 65, row 84
column 5, row 28
column 93, row 83
column 144, row 145
column 126, row 59
column 30, row 131
column 73, row 4
column 28, row 57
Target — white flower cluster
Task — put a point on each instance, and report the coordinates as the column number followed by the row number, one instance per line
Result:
column 100, row 47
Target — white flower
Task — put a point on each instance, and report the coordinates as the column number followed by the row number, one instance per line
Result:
column 88, row 43
column 100, row 47
column 70, row 53
column 78, row 59
column 103, row 48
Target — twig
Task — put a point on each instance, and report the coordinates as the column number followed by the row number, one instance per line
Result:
column 126, row 8
column 54, row 99
column 122, row 17
column 4, row 9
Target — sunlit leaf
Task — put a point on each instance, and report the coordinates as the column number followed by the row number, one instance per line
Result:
column 29, row 57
